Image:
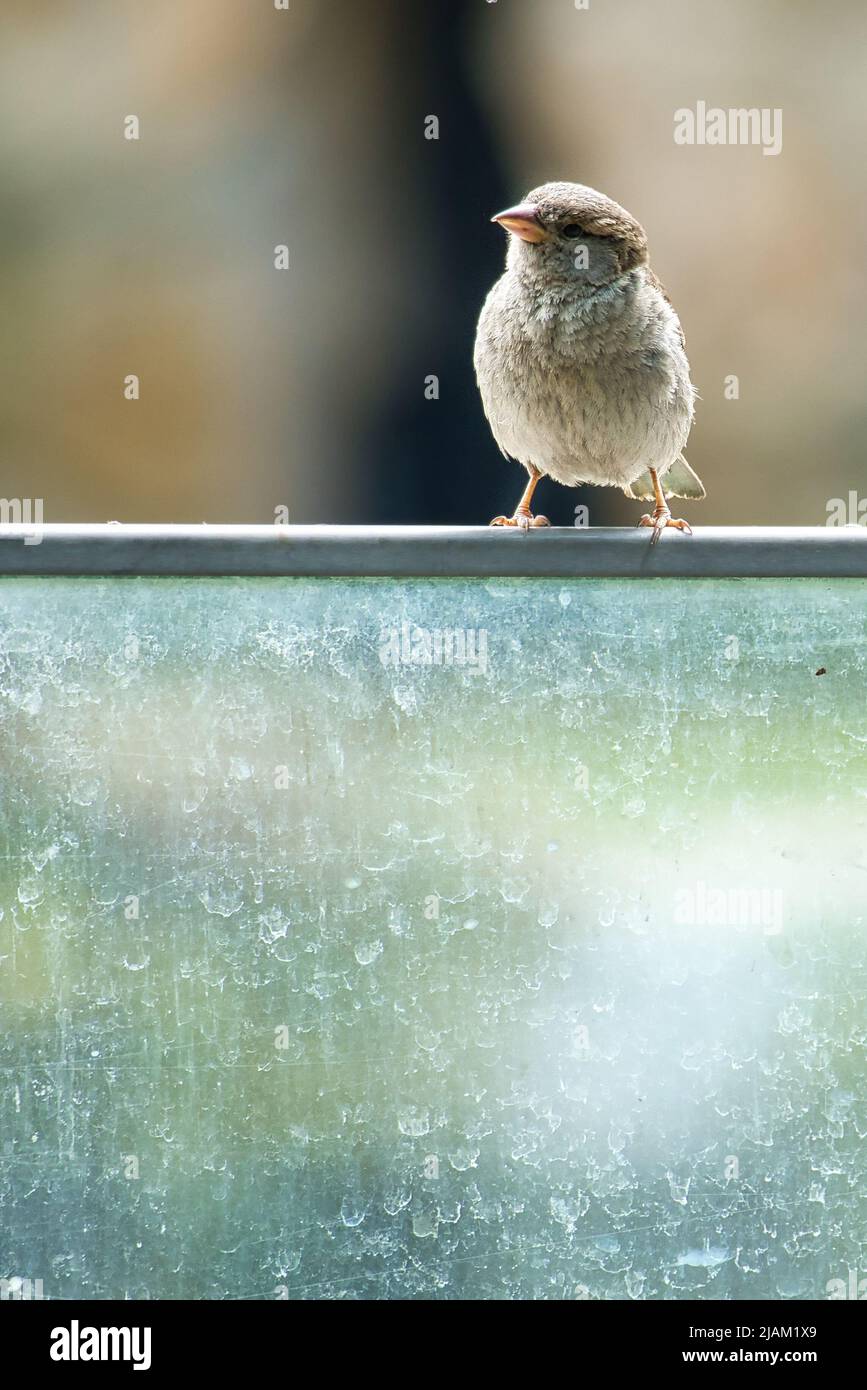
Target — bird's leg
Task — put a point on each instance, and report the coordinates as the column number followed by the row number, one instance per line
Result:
column 523, row 517
column 661, row 515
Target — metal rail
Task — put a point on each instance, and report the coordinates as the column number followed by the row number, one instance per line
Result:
column 442, row 551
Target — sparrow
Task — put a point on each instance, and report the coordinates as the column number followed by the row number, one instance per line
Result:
column 580, row 357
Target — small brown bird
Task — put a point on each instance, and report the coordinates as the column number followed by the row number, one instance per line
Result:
column 580, row 356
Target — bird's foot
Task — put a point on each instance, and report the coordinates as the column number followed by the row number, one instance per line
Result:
column 660, row 519
column 523, row 519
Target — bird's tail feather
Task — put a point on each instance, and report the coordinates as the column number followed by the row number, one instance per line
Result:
column 678, row 481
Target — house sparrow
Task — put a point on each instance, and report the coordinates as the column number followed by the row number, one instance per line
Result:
column 580, row 356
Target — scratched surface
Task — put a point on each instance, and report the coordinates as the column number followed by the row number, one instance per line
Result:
column 537, row 971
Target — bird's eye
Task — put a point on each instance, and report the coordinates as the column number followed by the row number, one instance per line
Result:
column 572, row 230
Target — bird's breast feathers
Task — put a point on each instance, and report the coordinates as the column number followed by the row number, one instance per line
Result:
column 590, row 387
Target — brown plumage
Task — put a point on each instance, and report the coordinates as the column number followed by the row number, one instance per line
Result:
column 580, row 355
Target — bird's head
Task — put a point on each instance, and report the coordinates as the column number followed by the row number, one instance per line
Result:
column 569, row 235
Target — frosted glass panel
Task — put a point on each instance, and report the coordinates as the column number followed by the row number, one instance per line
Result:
column 433, row 938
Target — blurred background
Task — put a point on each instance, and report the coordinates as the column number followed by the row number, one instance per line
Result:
column 305, row 388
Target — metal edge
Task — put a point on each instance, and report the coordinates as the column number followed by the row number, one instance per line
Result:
column 431, row 551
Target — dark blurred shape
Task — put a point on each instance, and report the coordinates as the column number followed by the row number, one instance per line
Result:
column 435, row 460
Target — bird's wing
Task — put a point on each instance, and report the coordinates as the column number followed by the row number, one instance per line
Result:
column 658, row 285
column 679, row 481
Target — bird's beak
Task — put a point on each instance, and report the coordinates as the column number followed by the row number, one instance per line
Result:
column 523, row 221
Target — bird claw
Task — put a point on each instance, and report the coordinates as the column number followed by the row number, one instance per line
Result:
column 523, row 520
column 660, row 520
